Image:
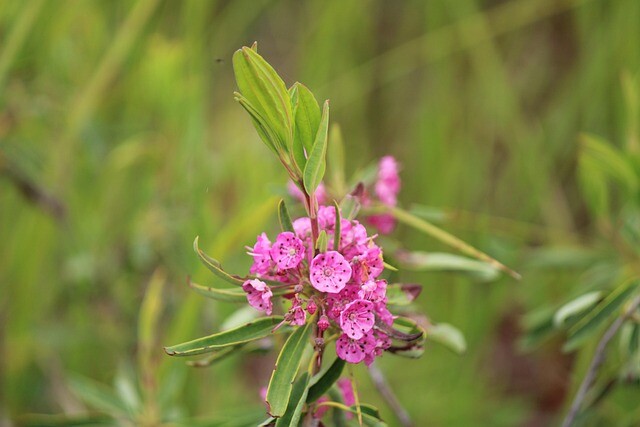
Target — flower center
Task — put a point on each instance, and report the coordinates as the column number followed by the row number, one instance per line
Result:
column 292, row 251
column 328, row 271
column 352, row 317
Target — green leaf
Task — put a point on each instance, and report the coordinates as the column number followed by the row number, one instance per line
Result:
column 575, row 307
column 266, row 92
column 251, row 331
column 447, row 335
column 402, row 293
column 590, row 323
column 307, row 117
column 216, row 357
column 437, row 261
column 298, row 397
column 287, row 365
column 323, row 381
column 214, row 266
column 229, row 294
column 225, row 294
column 337, row 231
column 322, row 242
column 285, row 219
column 316, row 163
column 266, row 133
column 609, row 160
column 444, row 237
column 97, row 395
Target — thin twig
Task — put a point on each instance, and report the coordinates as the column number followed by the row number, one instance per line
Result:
column 596, row 362
column 382, row 385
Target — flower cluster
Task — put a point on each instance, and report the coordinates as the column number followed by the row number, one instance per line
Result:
column 385, row 190
column 341, row 283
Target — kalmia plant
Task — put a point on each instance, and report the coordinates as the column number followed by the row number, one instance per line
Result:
column 322, row 280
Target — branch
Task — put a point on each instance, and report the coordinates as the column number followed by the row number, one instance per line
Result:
column 383, row 388
column 596, row 362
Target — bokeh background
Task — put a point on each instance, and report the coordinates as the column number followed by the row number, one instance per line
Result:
column 120, row 142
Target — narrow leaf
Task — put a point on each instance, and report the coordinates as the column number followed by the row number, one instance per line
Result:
column 338, row 227
column 251, row 331
column 97, row 395
column 285, row 219
column 214, row 266
column 402, row 293
column 447, row 335
column 589, row 324
column 576, row 307
column 335, row 160
column 316, row 163
column 287, row 366
column 322, row 242
column 437, row 261
column 446, row 238
column 298, row 397
column 307, row 117
column 323, row 381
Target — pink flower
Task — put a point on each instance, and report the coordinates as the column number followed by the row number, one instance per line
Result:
column 373, row 290
column 357, row 318
column 330, row 272
column 368, row 265
column 354, row 351
column 259, row 295
column 294, row 191
column 287, row 251
column 388, row 184
column 383, row 342
column 296, row 315
column 319, row 413
column 346, row 389
column 261, row 256
column 385, row 223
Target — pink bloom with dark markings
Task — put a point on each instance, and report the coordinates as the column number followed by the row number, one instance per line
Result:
column 330, row 272
column 287, row 251
column 357, row 318
column 259, row 295
column 261, row 256
column 354, row 351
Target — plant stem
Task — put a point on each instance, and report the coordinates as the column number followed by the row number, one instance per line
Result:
column 596, row 362
column 385, row 391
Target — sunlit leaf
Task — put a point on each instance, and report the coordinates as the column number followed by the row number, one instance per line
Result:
column 316, row 163
column 447, row 335
column 307, row 117
column 437, row 261
column 251, row 331
column 576, row 307
column 287, row 365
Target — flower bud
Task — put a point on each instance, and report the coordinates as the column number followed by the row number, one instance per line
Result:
column 323, row 323
column 312, row 307
column 319, row 342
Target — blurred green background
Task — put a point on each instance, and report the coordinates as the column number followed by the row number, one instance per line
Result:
column 120, row 142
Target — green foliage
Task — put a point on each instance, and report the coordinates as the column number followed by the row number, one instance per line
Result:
column 287, row 365
column 284, row 217
column 251, row 331
column 322, row 382
column 316, row 163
